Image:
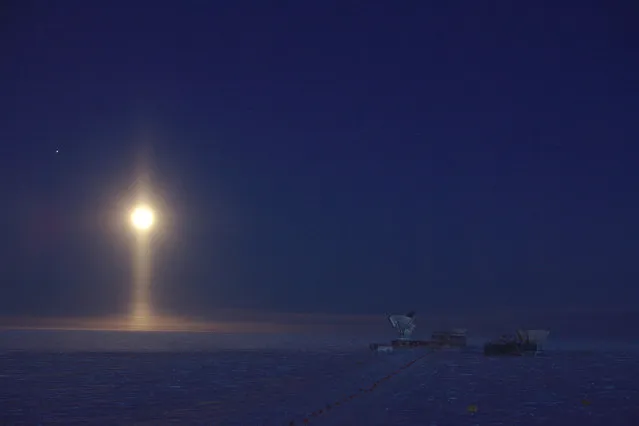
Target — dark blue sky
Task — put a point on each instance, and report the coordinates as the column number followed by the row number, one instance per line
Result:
column 321, row 156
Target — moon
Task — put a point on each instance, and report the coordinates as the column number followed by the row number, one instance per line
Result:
column 142, row 218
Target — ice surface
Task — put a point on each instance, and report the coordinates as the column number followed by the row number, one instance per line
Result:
column 112, row 378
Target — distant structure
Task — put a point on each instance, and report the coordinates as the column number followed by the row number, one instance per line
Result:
column 404, row 324
column 453, row 338
column 536, row 338
column 523, row 342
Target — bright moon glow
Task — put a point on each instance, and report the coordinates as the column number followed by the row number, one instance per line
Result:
column 142, row 218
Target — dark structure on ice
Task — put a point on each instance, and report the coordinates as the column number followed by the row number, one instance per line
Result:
column 523, row 342
column 405, row 325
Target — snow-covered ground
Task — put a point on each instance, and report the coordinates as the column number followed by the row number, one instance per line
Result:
column 120, row 378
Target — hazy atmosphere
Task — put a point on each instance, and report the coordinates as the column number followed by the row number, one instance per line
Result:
column 474, row 162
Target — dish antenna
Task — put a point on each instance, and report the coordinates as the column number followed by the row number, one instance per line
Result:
column 534, row 337
column 404, row 324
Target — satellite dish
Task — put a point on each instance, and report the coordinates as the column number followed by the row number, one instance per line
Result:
column 404, row 324
column 537, row 337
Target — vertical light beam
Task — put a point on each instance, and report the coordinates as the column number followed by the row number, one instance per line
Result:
column 141, row 315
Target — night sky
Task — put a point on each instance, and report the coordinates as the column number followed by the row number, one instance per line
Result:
column 321, row 156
